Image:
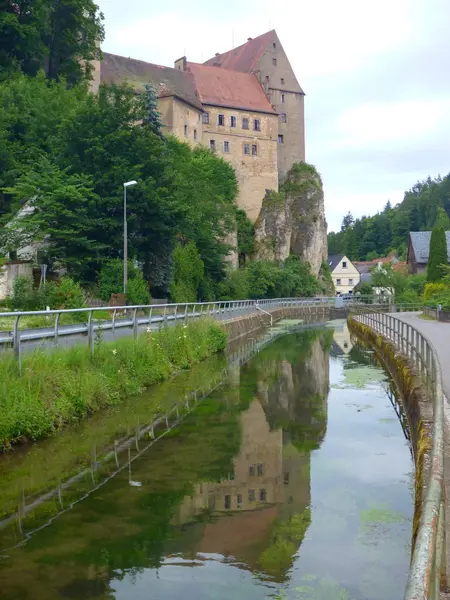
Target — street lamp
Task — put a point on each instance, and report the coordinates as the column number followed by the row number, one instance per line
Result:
column 125, row 236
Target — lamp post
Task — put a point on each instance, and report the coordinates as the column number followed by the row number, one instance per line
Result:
column 125, row 236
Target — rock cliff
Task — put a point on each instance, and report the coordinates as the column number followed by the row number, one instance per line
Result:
column 292, row 221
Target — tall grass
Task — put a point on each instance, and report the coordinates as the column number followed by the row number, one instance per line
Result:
column 63, row 386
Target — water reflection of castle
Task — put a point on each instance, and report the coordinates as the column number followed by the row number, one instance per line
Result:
column 271, row 479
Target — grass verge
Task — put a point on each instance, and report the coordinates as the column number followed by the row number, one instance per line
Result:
column 63, row 386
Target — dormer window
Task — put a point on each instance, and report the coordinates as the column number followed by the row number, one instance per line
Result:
column 344, row 264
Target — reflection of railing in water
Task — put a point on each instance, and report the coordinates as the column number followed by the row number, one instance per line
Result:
column 160, row 427
column 397, row 406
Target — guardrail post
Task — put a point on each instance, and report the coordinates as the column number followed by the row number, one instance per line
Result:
column 135, row 324
column 185, row 312
column 91, row 333
column 16, row 342
column 55, row 335
column 114, row 320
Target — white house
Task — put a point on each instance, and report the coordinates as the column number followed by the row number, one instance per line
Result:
column 344, row 274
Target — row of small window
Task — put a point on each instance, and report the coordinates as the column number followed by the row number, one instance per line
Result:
column 340, row 282
column 226, row 146
column 233, row 121
column 251, row 498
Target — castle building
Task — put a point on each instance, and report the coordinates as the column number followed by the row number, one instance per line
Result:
column 245, row 104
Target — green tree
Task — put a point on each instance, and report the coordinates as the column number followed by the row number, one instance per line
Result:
column 110, row 281
column 60, row 36
column 442, row 219
column 347, row 221
column 31, row 113
column 153, row 117
column 438, row 255
column 188, row 271
column 245, row 237
column 58, row 213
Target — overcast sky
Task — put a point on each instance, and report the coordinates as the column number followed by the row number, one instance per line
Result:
column 376, row 77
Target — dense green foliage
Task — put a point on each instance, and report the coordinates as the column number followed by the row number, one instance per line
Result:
column 266, row 279
column 188, row 271
column 423, row 207
column 60, row 37
column 62, row 294
column 245, row 237
column 110, row 281
column 386, row 280
column 438, row 255
column 64, row 385
column 438, row 294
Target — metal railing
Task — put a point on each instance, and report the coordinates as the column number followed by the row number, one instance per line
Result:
column 60, row 323
column 135, row 316
column 428, row 561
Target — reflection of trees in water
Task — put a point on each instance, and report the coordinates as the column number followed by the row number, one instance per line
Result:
column 122, row 529
column 293, row 386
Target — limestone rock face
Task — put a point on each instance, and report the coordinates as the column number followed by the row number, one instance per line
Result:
column 292, row 221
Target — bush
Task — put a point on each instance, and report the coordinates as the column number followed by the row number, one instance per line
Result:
column 433, row 290
column 25, row 297
column 267, row 279
column 235, row 286
column 65, row 294
column 64, row 385
column 110, row 281
column 137, row 290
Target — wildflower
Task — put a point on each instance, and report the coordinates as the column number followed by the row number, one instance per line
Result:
column 184, row 326
column 114, row 352
column 149, row 329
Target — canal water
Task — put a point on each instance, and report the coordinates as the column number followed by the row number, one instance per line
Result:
column 292, row 478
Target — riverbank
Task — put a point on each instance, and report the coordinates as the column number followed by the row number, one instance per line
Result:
column 63, row 386
column 417, row 405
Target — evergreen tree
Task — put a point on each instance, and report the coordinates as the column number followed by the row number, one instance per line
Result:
column 347, row 221
column 153, row 116
column 442, row 219
column 438, row 255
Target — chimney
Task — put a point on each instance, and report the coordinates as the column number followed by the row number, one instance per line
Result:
column 217, row 61
column 249, row 39
column 181, row 64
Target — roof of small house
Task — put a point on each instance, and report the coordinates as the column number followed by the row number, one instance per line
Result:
column 420, row 242
column 232, row 89
column 334, row 260
column 244, row 57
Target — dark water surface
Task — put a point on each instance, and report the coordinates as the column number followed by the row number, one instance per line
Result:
column 292, row 480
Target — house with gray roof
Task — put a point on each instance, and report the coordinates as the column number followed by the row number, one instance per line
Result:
column 419, row 250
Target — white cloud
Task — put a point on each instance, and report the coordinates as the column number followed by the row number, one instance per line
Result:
column 401, row 123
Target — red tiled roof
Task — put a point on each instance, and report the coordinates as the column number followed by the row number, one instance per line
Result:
column 221, row 87
column 244, row 58
column 166, row 81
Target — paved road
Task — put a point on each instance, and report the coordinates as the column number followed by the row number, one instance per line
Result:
column 438, row 334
